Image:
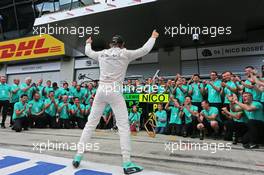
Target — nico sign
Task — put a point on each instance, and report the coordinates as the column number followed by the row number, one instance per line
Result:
column 154, row 98
column 30, row 47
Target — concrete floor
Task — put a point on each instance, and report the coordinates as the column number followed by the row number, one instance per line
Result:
column 152, row 153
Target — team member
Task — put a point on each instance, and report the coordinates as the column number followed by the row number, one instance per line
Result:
column 79, row 93
column 51, row 107
column 196, row 91
column 228, row 87
column 254, row 112
column 105, row 119
column 134, row 119
column 213, row 88
column 20, row 114
column 209, row 119
column 45, row 91
column 15, row 91
column 236, row 125
column 249, row 84
column 175, row 123
column 39, row 88
column 180, row 90
column 4, row 99
column 161, row 117
column 64, row 110
column 36, row 112
column 28, row 88
column 77, row 111
column 189, row 115
column 113, row 64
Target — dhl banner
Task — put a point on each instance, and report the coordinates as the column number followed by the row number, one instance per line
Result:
column 30, row 47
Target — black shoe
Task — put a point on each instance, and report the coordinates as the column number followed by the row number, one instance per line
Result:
column 253, row 146
column 3, row 126
column 184, row 134
column 215, row 136
column 201, row 135
column 246, row 146
column 25, row 129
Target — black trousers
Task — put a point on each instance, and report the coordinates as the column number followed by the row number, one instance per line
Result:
column 239, row 128
column 11, row 107
column 20, row 123
column 5, row 105
column 174, row 129
column 64, row 123
column 80, row 122
column 51, row 121
column 38, row 121
column 188, row 128
column 255, row 132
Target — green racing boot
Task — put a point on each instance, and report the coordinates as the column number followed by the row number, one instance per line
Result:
column 130, row 168
column 76, row 161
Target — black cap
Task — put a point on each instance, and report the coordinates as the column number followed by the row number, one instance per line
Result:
column 117, row 39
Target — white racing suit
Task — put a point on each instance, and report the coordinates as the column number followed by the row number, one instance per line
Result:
column 113, row 64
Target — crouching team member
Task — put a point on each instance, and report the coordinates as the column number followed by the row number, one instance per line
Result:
column 134, row 119
column 235, row 126
column 113, row 65
column 51, row 106
column 175, row 123
column 161, row 116
column 36, row 112
column 64, row 110
column 189, row 115
column 254, row 112
column 209, row 119
column 19, row 117
column 78, row 112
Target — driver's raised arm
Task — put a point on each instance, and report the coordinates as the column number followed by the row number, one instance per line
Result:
column 134, row 54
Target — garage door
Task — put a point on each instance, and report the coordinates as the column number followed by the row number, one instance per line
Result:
column 82, row 75
column 53, row 76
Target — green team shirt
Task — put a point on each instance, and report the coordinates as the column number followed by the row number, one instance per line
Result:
column 37, row 106
column 134, row 117
column 196, row 93
column 227, row 91
column 243, row 118
column 78, row 112
column 257, row 114
column 180, row 95
column 188, row 115
column 80, row 94
column 15, row 96
column 40, row 88
column 174, row 116
column 47, row 90
column 72, row 90
column 262, row 97
column 107, row 110
column 51, row 110
column 212, row 111
column 28, row 92
column 213, row 95
column 88, row 93
column 88, row 106
column 161, row 115
column 4, row 91
column 19, row 106
column 64, row 113
column 256, row 95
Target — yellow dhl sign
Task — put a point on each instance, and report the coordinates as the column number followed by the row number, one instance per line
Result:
column 31, row 47
column 154, row 98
